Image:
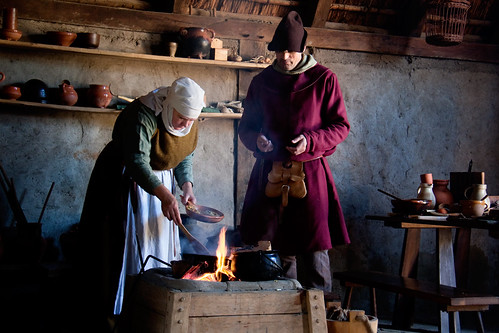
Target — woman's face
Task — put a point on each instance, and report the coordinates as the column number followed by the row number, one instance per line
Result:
column 179, row 122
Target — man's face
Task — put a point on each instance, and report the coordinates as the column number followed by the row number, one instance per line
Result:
column 287, row 60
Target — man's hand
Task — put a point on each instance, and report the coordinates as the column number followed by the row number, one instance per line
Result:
column 299, row 145
column 264, row 144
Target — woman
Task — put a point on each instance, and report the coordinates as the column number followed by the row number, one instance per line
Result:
column 130, row 199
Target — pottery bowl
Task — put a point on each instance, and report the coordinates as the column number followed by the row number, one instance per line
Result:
column 62, row 38
column 10, row 92
column 88, row 40
column 10, row 34
column 410, row 206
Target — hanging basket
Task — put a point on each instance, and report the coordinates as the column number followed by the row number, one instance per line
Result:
column 446, row 21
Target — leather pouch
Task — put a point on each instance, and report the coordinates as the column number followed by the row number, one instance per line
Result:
column 286, row 179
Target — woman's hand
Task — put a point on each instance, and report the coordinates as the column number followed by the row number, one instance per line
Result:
column 300, row 145
column 188, row 193
column 263, row 144
column 169, row 204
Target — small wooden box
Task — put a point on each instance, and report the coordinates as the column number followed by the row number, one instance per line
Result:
column 216, row 43
column 219, row 54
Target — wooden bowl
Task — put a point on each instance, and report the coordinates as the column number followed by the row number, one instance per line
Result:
column 203, row 214
column 62, row 38
column 410, row 206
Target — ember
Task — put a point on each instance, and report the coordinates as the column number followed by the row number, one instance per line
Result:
column 223, row 270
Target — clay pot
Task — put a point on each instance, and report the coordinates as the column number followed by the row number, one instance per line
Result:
column 67, row 94
column 3, row 76
column 196, row 42
column 11, row 92
column 442, row 194
column 35, row 90
column 9, row 19
column 99, row 95
column 10, row 34
column 89, row 40
column 426, row 178
column 62, row 38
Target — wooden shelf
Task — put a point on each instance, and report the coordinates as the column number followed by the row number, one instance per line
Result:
column 40, row 106
column 137, row 56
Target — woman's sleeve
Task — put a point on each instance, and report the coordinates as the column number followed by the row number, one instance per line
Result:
column 183, row 171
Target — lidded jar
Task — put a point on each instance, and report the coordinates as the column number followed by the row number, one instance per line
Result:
column 442, row 194
column 99, row 95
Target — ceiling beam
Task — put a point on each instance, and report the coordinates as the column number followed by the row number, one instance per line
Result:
column 157, row 22
column 321, row 13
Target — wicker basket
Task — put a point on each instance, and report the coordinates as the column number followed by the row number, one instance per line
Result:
column 446, row 21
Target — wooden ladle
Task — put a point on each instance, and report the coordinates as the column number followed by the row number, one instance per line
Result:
column 388, row 194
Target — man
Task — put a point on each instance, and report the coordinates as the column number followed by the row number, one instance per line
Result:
column 294, row 114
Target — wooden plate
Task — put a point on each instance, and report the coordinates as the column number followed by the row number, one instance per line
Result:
column 203, row 213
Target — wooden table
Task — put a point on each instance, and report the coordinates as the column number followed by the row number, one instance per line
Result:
column 452, row 265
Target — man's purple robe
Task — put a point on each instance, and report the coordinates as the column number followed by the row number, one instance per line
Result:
column 282, row 107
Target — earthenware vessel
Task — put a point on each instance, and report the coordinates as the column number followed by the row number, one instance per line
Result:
column 426, row 178
column 67, row 94
column 89, row 40
column 477, row 192
column 442, row 193
column 99, row 95
column 35, row 90
column 62, row 38
column 196, row 42
column 9, row 19
column 11, row 92
column 473, row 208
column 425, row 191
column 3, row 76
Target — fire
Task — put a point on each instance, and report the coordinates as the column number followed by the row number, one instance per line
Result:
column 222, row 268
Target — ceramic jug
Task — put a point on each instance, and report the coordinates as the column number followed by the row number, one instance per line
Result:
column 477, row 192
column 99, row 95
column 67, row 94
column 442, row 194
column 425, row 191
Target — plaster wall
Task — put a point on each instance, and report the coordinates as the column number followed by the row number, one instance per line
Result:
column 408, row 115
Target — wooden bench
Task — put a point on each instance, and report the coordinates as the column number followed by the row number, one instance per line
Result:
column 450, row 299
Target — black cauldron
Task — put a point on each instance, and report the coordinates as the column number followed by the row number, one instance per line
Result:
column 35, row 90
column 196, row 42
column 256, row 265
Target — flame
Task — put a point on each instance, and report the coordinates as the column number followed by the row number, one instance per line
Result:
column 222, row 268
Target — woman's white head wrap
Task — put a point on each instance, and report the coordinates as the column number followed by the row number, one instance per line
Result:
column 185, row 95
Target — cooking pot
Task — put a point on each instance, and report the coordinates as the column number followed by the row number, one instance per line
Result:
column 256, row 265
column 196, row 42
column 35, row 90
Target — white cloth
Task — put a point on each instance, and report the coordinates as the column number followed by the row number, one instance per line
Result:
column 184, row 95
column 157, row 236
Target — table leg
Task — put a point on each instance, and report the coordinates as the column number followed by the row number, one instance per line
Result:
column 446, row 274
column 461, row 255
column 403, row 314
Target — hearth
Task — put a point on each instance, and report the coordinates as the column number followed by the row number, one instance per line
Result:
column 155, row 301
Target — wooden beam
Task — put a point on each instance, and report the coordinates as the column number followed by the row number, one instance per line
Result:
column 321, row 13
column 156, row 22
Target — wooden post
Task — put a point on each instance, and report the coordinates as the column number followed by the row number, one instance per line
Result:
column 316, row 311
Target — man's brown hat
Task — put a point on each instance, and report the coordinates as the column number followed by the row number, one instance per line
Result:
column 289, row 35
